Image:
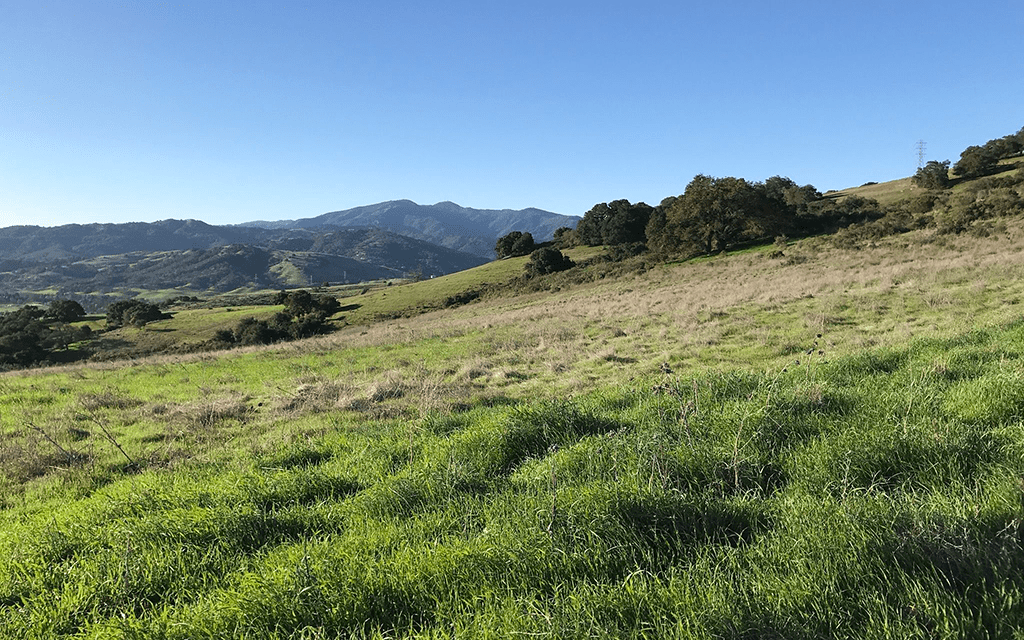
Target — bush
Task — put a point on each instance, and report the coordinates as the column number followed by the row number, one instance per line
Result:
column 515, row 243
column 134, row 313
column 934, row 175
column 969, row 207
column 547, row 260
column 304, row 315
column 253, row 331
column 460, row 299
column 65, row 311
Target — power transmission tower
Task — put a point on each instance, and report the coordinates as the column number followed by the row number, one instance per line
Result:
column 920, row 153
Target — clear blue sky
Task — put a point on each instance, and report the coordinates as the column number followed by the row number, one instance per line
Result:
column 229, row 111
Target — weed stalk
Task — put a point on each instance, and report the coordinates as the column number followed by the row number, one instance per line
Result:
column 110, row 437
column 70, row 456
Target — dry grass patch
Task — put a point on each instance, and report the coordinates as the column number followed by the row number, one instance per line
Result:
column 391, row 386
column 317, row 396
column 474, row 370
column 417, row 393
column 107, row 400
column 21, row 461
column 209, row 415
column 392, row 393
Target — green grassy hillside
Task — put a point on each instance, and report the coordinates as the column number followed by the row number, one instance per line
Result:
column 893, row 191
column 823, row 444
column 191, row 326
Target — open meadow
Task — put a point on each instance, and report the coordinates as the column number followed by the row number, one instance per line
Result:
column 824, row 443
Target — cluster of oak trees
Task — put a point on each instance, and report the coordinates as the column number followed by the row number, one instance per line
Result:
column 304, row 315
column 716, row 214
column 712, row 214
column 32, row 335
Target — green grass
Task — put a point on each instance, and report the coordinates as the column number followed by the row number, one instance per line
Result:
column 877, row 495
column 389, row 299
column 885, row 193
column 415, row 297
column 524, row 467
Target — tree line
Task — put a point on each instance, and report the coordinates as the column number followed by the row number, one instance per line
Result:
column 711, row 215
column 976, row 161
column 716, row 214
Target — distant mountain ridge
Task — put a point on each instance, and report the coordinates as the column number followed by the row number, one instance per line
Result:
column 32, row 244
column 98, row 260
column 445, row 223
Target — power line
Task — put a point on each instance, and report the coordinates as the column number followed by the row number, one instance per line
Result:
column 920, row 153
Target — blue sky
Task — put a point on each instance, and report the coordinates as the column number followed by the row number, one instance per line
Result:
column 224, row 111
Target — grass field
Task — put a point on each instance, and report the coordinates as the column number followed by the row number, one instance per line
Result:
column 740, row 447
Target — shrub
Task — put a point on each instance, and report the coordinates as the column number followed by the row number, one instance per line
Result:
column 135, row 313
column 515, row 243
column 253, row 331
column 547, row 260
column 460, row 299
column 934, row 175
column 304, row 315
column 65, row 311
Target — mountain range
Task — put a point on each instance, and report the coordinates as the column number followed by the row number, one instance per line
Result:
column 445, row 223
column 387, row 240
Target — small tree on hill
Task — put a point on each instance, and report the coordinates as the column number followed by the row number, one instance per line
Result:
column 934, row 175
column 65, row 311
column 135, row 313
column 976, row 161
column 547, row 260
column 514, row 243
